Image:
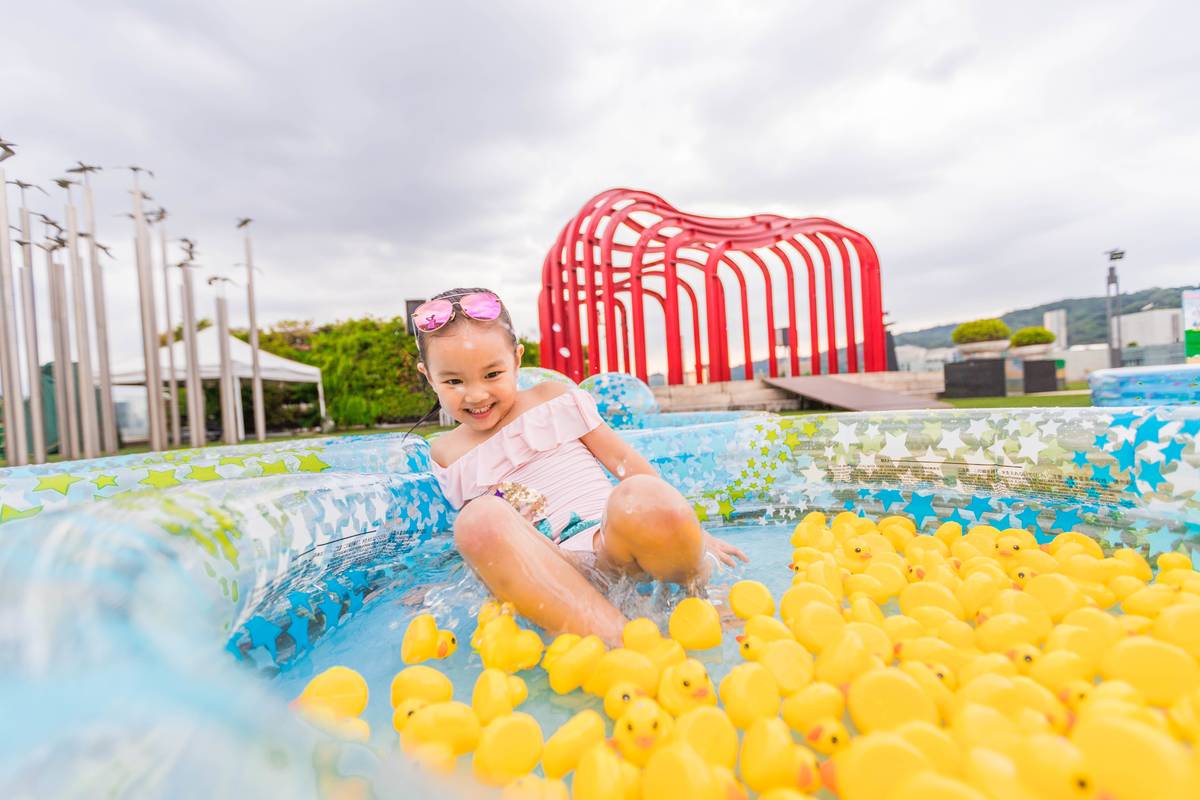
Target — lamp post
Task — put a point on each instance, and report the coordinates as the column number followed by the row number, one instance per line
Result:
column 1112, row 294
column 149, row 317
column 229, row 428
column 10, row 359
column 260, row 422
column 195, row 387
column 37, row 427
column 160, row 216
column 108, row 415
column 85, row 379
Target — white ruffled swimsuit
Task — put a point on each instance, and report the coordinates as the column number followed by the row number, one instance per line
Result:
column 537, row 463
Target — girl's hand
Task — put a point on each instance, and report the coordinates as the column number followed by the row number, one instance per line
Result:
column 723, row 550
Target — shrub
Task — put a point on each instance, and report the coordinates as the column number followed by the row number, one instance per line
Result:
column 1035, row 334
column 980, row 330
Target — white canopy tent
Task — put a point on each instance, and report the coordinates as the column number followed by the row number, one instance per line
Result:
column 208, row 348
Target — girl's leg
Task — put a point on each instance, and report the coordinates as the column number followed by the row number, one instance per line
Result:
column 649, row 526
column 523, row 567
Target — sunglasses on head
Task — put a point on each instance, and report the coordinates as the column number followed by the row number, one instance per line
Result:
column 435, row 314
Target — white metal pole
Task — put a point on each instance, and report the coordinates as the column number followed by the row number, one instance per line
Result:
column 321, row 402
column 149, row 325
column 37, row 426
column 238, row 410
column 172, row 386
column 195, row 385
column 64, row 372
column 85, row 379
column 228, row 418
column 260, row 420
column 10, row 358
column 108, row 412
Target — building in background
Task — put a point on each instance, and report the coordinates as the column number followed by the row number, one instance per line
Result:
column 912, row 358
column 1056, row 322
column 1157, row 326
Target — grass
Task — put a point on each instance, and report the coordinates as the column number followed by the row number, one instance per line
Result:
column 1027, row 401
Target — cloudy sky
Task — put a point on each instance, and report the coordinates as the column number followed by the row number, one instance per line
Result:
column 388, row 149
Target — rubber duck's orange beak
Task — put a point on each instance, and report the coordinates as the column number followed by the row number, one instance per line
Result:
column 829, row 775
column 741, row 637
column 644, row 742
column 814, row 734
column 443, row 650
column 700, row 693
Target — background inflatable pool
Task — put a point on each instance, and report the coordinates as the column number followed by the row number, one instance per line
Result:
column 1176, row 384
column 148, row 600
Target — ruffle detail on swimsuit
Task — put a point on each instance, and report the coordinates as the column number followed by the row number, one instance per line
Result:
column 543, row 427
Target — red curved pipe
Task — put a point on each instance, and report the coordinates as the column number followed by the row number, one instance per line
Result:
column 565, row 293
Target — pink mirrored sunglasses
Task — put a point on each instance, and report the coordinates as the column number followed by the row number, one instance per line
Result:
column 435, row 314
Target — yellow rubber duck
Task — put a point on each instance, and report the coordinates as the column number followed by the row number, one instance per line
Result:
column 622, row 665
column 1128, row 759
column 872, row 766
column 748, row 598
column 339, row 690
column 684, row 687
column 1184, row 717
column 1161, row 671
column 497, row 693
column 619, row 696
column 423, row 641
column 643, row 636
column 770, row 759
column 812, row 704
column 930, row 785
column 817, row 625
column 844, row 660
column 695, row 624
column 710, row 733
column 531, row 787
column 423, row 682
column 728, row 785
column 505, row 646
column 603, row 775
column 404, row 710
column 799, row 596
column 488, row 612
column 509, row 747
column 676, row 772
column 568, row 744
column 749, row 692
column 1180, row 626
column 453, row 724
column 350, row 729
column 643, row 727
column 827, row 736
column 1052, row 767
column 767, row 628
column 935, row 743
column 884, row 699
column 572, row 661
column 936, row 680
column 786, row 659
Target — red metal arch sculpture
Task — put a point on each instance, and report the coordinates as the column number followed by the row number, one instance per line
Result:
column 602, row 258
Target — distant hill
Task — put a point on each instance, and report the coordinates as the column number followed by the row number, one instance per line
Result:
column 1085, row 317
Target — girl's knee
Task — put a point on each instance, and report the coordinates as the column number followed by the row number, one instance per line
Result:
column 477, row 528
column 653, row 501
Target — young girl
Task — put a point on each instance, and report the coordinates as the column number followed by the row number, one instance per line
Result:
column 527, row 468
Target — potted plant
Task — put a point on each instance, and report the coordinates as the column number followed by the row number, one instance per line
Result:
column 1031, row 342
column 981, row 338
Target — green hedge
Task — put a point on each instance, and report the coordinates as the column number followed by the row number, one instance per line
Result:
column 980, row 330
column 368, row 365
column 1035, row 334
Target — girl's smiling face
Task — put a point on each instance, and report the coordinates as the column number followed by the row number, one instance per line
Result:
column 473, row 368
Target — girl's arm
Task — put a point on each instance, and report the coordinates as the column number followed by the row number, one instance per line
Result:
column 616, row 454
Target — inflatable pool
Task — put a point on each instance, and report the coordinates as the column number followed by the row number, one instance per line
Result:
column 160, row 610
column 1174, row 384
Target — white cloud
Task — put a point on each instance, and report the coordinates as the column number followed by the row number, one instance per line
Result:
column 387, row 150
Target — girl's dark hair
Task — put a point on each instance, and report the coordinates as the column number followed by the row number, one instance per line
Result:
column 504, row 320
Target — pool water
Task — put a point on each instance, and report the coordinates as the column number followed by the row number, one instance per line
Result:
column 370, row 643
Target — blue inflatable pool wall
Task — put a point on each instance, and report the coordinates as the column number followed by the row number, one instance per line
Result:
column 148, row 597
